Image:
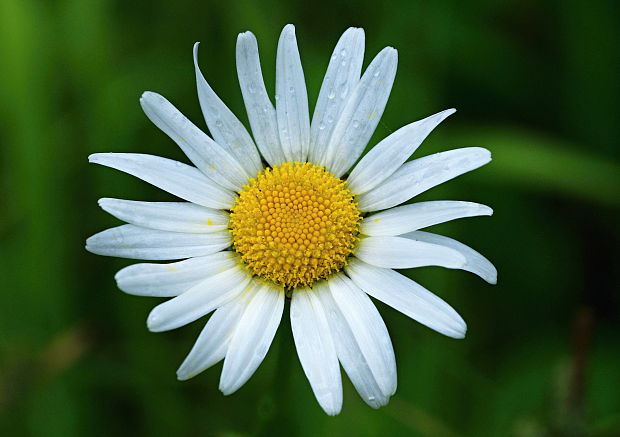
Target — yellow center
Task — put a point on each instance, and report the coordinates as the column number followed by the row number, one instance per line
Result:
column 294, row 224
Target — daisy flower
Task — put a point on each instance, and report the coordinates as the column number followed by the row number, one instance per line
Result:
column 283, row 212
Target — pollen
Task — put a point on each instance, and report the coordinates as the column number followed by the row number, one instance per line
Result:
column 295, row 224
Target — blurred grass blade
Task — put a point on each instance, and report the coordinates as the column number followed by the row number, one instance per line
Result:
column 545, row 164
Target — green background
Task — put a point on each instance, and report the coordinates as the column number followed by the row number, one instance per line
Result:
column 535, row 82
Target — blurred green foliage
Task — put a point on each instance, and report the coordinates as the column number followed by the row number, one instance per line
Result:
column 534, row 81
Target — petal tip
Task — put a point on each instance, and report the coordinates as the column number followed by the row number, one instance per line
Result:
column 153, row 321
column 195, row 54
column 226, row 390
column 245, row 36
column 104, row 202
column 147, row 95
column 461, row 331
column 485, row 154
column 183, row 375
column 492, row 278
column 390, row 51
column 90, row 240
column 118, row 277
column 94, row 157
column 486, row 210
column 332, row 411
column 357, row 31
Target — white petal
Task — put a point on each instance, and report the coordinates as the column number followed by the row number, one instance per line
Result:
column 130, row 241
column 206, row 154
column 174, row 177
column 341, row 78
column 361, row 114
column 225, row 127
column 291, row 98
column 213, row 341
column 415, row 177
column 368, row 329
column 252, row 337
column 407, row 218
column 374, row 377
column 408, row 297
column 385, row 158
column 167, row 216
column 475, row 262
column 316, row 349
column 404, row 253
column 167, row 280
column 261, row 112
column 199, row 300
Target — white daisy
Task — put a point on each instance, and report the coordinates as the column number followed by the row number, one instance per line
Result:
column 277, row 214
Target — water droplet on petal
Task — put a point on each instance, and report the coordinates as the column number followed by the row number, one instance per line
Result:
column 343, row 53
column 356, row 124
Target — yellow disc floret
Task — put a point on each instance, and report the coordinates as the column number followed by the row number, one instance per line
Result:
column 294, row 224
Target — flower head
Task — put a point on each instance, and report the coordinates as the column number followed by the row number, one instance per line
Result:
column 284, row 212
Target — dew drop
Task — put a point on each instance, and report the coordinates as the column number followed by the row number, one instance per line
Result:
column 356, row 124
column 331, row 94
column 330, row 119
column 218, row 123
column 321, row 126
column 277, row 96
